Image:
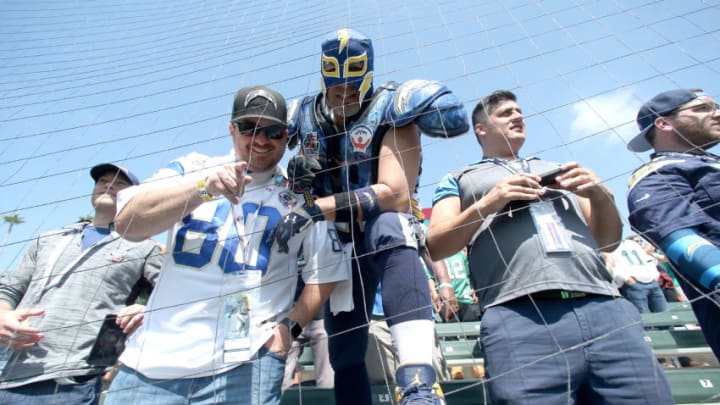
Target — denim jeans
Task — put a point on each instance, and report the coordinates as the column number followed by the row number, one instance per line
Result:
column 647, row 297
column 51, row 393
column 573, row 351
column 257, row 382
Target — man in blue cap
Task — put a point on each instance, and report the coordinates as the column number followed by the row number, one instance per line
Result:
column 673, row 199
column 53, row 302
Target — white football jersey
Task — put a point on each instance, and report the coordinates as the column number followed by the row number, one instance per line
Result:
column 223, row 276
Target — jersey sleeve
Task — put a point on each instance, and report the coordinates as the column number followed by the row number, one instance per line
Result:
column 327, row 259
column 193, row 164
column 662, row 202
column 447, row 187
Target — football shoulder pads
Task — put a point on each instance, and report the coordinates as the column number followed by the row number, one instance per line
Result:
column 431, row 106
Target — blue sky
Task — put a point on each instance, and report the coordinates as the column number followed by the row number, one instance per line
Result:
column 140, row 83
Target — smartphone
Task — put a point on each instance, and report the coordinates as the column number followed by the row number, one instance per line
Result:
column 548, row 177
column 109, row 344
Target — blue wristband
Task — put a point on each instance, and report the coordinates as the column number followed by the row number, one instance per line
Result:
column 369, row 203
column 694, row 256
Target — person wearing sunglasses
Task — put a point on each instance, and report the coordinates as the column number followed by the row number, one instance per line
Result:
column 673, row 199
column 359, row 158
column 221, row 320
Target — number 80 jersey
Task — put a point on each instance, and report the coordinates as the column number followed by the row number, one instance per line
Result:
column 220, row 254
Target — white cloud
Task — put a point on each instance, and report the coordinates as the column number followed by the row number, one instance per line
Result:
column 614, row 112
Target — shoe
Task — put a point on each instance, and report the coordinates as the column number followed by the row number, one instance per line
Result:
column 417, row 385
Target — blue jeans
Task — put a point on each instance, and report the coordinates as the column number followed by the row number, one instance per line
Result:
column 574, row 351
column 51, row 393
column 706, row 305
column 257, row 382
column 647, row 297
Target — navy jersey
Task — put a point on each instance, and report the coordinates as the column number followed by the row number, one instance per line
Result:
column 357, row 147
column 676, row 191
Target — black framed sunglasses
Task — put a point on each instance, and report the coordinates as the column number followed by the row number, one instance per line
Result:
column 274, row 132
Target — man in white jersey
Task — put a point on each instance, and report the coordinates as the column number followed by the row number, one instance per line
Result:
column 223, row 270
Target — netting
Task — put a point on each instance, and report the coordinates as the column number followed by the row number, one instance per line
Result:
column 139, row 84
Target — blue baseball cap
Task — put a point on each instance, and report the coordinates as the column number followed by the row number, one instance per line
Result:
column 661, row 105
column 98, row 170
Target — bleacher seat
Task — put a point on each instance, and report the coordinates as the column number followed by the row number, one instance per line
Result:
column 689, row 386
column 679, row 315
column 670, row 333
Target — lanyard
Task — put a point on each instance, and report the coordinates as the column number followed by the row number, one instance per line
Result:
column 244, row 222
column 524, row 165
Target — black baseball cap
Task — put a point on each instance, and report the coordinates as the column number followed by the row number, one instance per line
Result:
column 661, row 105
column 259, row 102
column 97, row 171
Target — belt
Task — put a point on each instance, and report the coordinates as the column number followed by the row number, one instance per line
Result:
column 560, row 295
column 81, row 379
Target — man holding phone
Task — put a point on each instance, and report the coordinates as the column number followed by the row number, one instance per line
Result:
column 53, row 303
column 553, row 327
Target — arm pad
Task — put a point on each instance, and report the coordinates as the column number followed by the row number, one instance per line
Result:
column 694, row 255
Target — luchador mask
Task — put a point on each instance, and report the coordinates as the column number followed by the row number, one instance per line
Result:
column 347, row 58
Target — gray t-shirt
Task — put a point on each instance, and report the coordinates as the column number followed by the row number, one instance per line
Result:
column 506, row 257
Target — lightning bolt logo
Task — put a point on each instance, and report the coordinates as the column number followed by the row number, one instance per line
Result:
column 344, row 37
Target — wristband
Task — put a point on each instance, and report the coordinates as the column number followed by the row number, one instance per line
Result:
column 294, row 327
column 369, row 203
column 202, row 191
column 347, row 202
column 441, row 285
column 314, row 211
column 296, row 330
column 345, row 206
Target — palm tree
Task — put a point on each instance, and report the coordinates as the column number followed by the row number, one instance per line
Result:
column 11, row 220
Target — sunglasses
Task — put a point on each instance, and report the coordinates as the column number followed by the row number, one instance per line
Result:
column 274, row 132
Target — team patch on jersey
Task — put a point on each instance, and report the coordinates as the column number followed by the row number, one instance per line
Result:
column 360, row 137
column 310, row 145
column 280, row 180
column 287, row 199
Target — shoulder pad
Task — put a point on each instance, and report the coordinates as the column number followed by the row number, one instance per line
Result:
column 431, row 105
column 296, row 114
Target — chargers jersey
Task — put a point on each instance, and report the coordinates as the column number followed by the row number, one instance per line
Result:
column 220, row 251
column 348, row 159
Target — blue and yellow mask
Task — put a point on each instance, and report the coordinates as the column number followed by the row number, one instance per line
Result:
column 347, row 58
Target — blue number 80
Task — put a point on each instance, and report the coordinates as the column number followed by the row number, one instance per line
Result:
column 221, row 232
